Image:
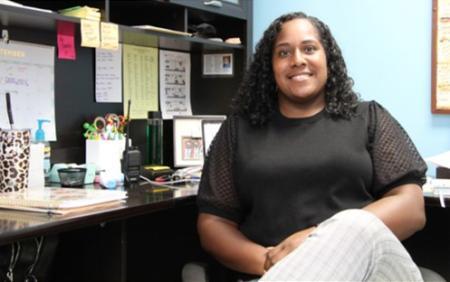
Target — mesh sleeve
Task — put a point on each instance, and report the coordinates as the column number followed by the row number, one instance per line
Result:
column 395, row 159
column 217, row 194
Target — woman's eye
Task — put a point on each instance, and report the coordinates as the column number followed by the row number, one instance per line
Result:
column 283, row 53
column 310, row 49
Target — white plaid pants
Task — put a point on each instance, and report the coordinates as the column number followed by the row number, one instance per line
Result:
column 353, row 245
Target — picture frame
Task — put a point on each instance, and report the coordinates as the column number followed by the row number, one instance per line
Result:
column 218, row 64
column 440, row 57
column 210, row 127
column 188, row 139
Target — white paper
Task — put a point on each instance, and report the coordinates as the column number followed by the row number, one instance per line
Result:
column 442, row 159
column 108, row 76
column 27, row 72
column 140, row 80
column 175, row 84
column 209, row 132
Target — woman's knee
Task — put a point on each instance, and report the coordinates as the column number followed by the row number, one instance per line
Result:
column 355, row 215
column 357, row 220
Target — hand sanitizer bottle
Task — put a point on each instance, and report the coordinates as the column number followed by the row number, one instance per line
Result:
column 40, row 138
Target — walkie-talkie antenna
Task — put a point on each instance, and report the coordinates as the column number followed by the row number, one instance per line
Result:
column 127, row 145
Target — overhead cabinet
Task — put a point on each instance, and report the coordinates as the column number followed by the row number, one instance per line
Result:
column 75, row 80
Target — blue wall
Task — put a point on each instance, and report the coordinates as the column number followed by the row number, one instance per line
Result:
column 387, row 48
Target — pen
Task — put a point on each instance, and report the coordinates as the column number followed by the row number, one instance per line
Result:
column 8, row 107
column 50, row 212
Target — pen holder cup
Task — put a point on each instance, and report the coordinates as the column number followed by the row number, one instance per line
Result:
column 72, row 176
column 14, row 159
column 105, row 154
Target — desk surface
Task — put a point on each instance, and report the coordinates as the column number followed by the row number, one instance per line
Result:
column 17, row 225
column 433, row 200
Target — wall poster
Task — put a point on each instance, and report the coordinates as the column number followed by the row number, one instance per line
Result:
column 440, row 69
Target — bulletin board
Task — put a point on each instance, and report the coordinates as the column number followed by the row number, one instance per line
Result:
column 440, row 69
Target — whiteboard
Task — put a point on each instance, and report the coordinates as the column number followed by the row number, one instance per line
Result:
column 27, row 72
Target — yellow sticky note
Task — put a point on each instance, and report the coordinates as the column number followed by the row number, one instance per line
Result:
column 157, row 167
column 109, row 35
column 90, row 33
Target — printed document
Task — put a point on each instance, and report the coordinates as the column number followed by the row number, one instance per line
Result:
column 175, row 83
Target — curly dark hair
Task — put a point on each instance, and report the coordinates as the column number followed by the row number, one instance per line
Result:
column 256, row 98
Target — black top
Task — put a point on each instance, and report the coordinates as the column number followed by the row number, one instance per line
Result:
column 293, row 173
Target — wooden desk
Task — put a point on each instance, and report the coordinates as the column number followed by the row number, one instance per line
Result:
column 150, row 237
column 19, row 225
column 433, row 200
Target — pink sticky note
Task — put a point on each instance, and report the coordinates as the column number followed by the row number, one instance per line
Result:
column 66, row 40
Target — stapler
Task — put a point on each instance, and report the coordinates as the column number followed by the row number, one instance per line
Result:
column 154, row 171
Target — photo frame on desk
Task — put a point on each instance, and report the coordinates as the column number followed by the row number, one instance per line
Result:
column 188, row 134
column 440, row 57
column 210, row 127
column 215, row 64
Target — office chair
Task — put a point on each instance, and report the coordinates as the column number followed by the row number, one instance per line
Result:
column 196, row 272
column 430, row 275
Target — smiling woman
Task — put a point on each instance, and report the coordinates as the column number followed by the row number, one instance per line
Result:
column 300, row 68
column 303, row 181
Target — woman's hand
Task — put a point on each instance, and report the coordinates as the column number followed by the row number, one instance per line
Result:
column 275, row 254
column 223, row 239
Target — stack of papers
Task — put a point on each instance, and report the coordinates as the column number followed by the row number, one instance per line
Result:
column 439, row 187
column 161, row 29
column 442, row 159
column 83, row 12
column 12, row 3
column 61, row 200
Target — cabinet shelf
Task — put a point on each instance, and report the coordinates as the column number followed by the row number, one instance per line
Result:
column 75, row 80
column 11, row 16
column 18, row 17
column 130, row 35
column 238, row 11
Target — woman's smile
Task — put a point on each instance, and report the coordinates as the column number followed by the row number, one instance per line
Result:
column 300, row 77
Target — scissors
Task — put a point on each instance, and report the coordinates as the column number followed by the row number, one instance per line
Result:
column 95, row 131
column 109, row 127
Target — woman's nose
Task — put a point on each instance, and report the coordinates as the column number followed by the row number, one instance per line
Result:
column 298, row 59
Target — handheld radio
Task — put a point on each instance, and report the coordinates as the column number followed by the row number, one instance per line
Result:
column 131, row 159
